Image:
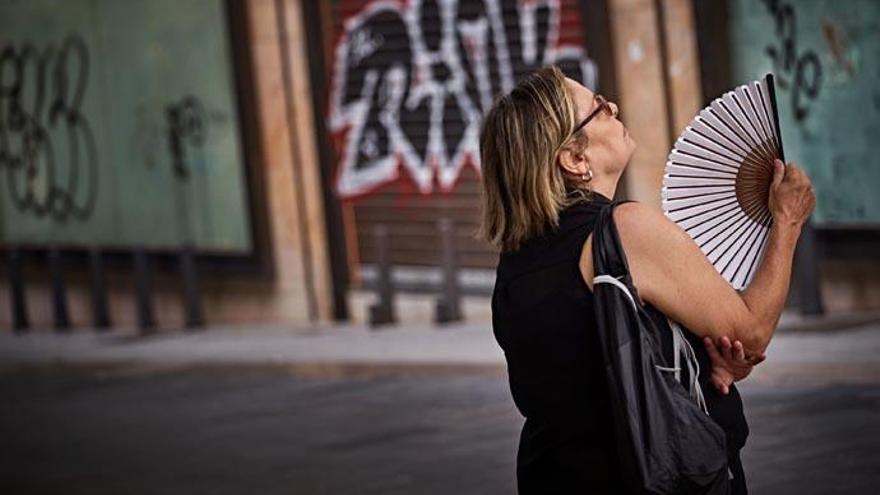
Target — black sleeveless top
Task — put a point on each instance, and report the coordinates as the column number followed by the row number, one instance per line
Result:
column 542, row 317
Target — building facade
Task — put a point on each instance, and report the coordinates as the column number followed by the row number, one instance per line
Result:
column 249, row 151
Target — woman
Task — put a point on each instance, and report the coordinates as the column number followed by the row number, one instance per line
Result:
column 552, row 154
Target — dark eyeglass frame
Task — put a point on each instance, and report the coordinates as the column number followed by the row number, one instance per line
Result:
column 603, row 106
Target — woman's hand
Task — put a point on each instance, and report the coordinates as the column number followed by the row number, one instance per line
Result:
column 791, row 198
column 730, row 364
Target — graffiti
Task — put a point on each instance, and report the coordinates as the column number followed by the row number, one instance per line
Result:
column 835, row 38
column 802, row 73
column 412, row 80
column 186, row 125
column 42, row 132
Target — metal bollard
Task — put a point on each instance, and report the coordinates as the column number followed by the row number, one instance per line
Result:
column 189, row 275
column 807, row 276
column 448, row 307
column 146, row 321
column 100, row 314
column 20, row 321
column 382, row 313
column 61, row 317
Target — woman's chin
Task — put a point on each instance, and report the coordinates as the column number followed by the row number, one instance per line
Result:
column 629, row 155
column 631, row 144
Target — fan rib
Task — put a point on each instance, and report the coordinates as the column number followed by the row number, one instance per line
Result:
column 727, row 124
column 756, row 134
column 761, row 246
column 714, row 141
column 747, row 158
column 679, row 176
column 755, row 208
column 692, row 143
column 768, row 132
column 729, row 216
column 688, row 165
column 705, row 159
column 700, row 195
column 719, row 117
column 731, row 239
column 754, row 110
column 734, row 223
column 724, row 216
column 757, row 128
column 716, row 210
column 738, row 143
column 691, row 186
column 752, row 205
column 748, row 255
column 767, row 116
column 746, row 234
column 739, row 116
column 673, row 210
column 736, row 119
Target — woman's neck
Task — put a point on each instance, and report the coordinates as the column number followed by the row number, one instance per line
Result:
column 605, row 187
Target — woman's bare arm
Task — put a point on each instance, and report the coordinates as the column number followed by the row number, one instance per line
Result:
column 671, row 272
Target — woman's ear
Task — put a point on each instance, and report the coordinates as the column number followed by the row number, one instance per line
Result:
column 572, row 162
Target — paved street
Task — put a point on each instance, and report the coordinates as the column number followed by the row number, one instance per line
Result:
column 234, row 426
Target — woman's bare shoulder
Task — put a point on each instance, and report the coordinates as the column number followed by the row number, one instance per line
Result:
column 637, row 217
column 646, row 232
column 648, row 238
column 640, row 228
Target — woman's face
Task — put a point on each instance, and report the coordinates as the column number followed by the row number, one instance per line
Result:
column 609, row 145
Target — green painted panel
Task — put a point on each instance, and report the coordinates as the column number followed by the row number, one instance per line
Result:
column 119, row 125
column 826, row 56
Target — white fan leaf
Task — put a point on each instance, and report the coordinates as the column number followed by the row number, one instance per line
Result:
column 717, row 177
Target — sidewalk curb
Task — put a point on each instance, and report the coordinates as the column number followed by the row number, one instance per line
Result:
column 315, row 369
column 827, row 323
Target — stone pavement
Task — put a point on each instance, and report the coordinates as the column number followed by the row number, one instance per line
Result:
column 816, row 342
column 408, row 410
column 321, row 350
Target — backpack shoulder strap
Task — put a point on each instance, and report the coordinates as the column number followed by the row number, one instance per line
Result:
column 608, row 255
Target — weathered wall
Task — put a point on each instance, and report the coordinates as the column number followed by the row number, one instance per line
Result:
column 297, row 290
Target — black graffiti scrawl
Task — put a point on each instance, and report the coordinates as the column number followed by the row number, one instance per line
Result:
column 187, row 126
column 48, row 154
column 411, row 81
column 799, row 72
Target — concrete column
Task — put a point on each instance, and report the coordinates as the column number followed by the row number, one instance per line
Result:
column 290, row 159
column 657, row 99
column 683, row 69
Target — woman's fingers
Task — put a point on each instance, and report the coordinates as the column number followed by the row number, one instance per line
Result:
column 754, row 359
column 738, row 351
column 721, row 377
column 711, row 349
column 726, row 348
column 720, row 384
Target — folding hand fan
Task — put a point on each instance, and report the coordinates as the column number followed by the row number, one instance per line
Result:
column 718, row 178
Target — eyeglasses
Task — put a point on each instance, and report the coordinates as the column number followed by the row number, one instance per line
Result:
column 603, row 106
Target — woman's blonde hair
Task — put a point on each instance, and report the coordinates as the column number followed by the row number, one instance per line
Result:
column 523, row 188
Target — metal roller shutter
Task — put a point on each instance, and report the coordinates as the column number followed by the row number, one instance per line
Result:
column 408, row 84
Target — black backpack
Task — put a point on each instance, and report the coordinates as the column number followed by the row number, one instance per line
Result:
column 667, row 442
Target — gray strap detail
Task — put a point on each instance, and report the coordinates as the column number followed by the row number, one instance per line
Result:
column 670, row 370
column 696, row 392
column 608, row 279
column 677, row 337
